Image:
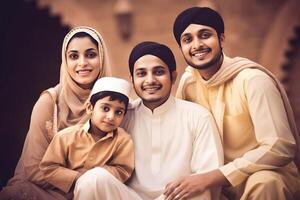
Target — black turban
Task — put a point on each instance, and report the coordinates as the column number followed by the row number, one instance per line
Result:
column 197, row 15
column 152, row 48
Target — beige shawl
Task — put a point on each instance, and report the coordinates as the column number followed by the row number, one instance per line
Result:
column 69, row 98
column 229, row 69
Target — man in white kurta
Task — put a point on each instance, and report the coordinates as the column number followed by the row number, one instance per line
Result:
column 178, row 138
column 173, row 138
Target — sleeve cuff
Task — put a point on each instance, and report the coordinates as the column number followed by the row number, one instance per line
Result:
column 233, row 175
column 66, row 182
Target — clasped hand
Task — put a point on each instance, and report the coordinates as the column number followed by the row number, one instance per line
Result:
column 185, row 187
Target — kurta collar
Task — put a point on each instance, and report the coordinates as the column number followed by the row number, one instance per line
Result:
column 86, row 128
column 226, row 62
column 159, row 110
column 229, row 69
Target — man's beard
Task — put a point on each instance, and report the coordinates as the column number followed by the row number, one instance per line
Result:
column 207, row 65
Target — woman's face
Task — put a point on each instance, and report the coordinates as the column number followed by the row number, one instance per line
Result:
column 83, row 61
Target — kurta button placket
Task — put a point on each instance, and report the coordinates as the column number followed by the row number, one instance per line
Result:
column 91, row 156
column 155, row 134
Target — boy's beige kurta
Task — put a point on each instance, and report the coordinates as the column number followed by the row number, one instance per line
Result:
column 253, row 114
column 74, row 148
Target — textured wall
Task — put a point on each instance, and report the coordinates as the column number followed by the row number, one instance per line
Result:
column 246, row 24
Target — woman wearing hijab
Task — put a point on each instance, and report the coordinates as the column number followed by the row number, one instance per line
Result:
column 84, row 60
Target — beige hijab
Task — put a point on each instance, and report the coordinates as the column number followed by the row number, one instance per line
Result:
column 229, row 69
column 69, row 98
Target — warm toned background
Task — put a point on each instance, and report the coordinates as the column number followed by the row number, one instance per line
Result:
column 266, row 31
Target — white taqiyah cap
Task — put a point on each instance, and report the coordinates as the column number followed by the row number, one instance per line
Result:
column 112, row 84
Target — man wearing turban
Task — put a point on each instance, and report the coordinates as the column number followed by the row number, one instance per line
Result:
column 251, row 109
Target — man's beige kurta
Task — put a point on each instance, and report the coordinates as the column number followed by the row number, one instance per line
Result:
column 74, row 148
column 251, row 117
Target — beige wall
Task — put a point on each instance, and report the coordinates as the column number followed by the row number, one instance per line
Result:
column 258, row 30
column 246, row 25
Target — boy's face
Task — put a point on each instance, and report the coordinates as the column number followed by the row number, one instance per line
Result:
column 152, row 80
column 106, row 115
column 201, row 46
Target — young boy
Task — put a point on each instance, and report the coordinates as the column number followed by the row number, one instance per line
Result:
column 95, row 148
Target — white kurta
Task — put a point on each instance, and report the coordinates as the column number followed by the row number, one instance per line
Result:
column 176, row 139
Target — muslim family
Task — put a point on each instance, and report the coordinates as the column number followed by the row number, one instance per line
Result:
column 229, row 133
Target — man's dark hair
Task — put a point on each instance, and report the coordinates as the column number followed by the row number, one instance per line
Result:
column 198, row 15
column 161, row 51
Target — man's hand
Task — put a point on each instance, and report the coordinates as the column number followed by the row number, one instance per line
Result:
column 192, row 185
column 185, row 187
